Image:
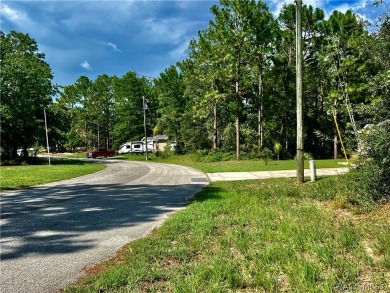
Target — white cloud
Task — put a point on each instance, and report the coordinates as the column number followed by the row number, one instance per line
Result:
column 279, row 6
column 325, row 5
column 13, row 15
column 343, row 8
column 351, row 6
column 86, row 65
column 169, row 30
column 106, row 16
column 112, row 45
column 362, row 4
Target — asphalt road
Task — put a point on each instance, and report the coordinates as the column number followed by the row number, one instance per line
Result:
column 49, row 233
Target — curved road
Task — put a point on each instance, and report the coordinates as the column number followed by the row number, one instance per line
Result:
column 50, row 232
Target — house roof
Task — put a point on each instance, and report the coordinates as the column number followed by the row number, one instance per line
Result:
column 158, row 137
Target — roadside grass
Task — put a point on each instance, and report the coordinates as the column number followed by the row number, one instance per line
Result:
column 16, row 177
column 76, row 155
column 231, row 166
column 260, row 235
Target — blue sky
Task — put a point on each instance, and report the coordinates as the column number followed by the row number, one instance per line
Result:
column 113, row 37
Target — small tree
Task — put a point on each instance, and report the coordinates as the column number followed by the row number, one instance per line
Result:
column 277, row 149
column 265, row 155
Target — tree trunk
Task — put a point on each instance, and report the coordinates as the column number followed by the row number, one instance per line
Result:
column 85, row 135
column 260, row 125
column 215, row 130
column 238, row 148
column 238, row 156
column 335, row 141
column 260, row 111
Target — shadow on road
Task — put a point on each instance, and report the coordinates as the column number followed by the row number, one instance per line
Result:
column 51, row 220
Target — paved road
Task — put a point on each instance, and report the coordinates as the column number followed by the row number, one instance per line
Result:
column 50, row 232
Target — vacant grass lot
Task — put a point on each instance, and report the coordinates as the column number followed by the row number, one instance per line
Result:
column 255, row 236
column 16, row 177
column 231, row 166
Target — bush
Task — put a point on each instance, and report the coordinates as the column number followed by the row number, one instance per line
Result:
column 165, row 153
column 212, row 156
column 179, row 149
column 215, row 155
column 200, row 155
column 369, row 182
column 228, row 156
column 255, row 152
column 265, row 155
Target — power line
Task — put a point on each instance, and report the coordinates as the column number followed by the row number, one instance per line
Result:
column 341, row 77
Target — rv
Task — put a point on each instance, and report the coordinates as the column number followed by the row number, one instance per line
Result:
column 135, row 147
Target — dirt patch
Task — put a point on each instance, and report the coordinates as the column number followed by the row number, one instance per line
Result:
column 94, row 269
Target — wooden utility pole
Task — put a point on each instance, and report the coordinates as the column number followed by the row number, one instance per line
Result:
column 47, row 136
column 146, row 137
column 300, row 157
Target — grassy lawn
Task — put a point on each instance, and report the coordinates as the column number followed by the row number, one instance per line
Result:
column 16, row 177
column 231, row 166
column 263, row 236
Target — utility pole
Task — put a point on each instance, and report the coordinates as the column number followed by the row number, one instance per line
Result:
column 98, row 125
column 146, row 137
column 47, row 136
column 300, row 157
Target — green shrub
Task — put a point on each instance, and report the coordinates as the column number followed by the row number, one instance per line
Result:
column 215, row 155
column 369, row 182
column 210, row 156
column 200, row 155
column 165, row 153
column 265, row 155
column 255, row 153
column 228, row 156
column 179, row 149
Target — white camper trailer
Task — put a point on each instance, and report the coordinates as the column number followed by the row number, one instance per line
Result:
column 124, row 148
column 134, row 147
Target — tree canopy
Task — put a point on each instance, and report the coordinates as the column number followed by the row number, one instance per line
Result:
column 26, row 89
column 235, row 91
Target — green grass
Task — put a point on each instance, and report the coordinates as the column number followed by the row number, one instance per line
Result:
column 269, row 235
column 77, row 155
column 16, row 177
column 231, row 166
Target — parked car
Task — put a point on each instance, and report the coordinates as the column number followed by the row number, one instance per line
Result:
column 101, row 153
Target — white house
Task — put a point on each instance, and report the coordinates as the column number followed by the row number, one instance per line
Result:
column 158, row 142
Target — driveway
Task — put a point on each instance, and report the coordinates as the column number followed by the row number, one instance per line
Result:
column 49, row 233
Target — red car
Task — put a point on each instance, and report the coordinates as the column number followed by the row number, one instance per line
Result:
column 101, row 153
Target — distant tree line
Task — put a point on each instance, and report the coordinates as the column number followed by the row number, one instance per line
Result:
column 235, row 91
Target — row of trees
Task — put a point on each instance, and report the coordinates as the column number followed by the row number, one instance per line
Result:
column 235, row 91
column 247, row 58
